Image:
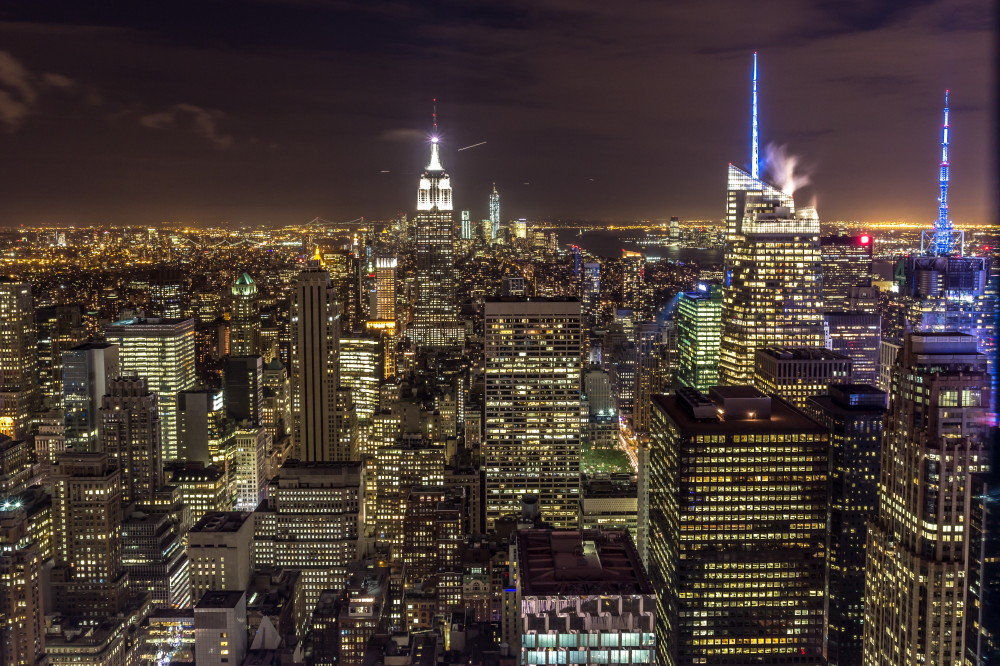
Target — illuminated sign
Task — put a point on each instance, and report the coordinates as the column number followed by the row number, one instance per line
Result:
column 865, row 239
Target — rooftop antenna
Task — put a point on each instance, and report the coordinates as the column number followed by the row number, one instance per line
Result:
column 944, row 232
column 754, row 135
column 435, row 162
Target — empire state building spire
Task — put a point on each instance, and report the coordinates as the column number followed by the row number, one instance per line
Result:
column 434, row 192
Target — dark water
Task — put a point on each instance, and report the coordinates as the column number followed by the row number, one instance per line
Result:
column 604, row 243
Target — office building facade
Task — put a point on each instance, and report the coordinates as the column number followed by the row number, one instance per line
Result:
column 534, row 361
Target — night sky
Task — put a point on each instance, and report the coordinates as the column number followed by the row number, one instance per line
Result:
column 260, row 112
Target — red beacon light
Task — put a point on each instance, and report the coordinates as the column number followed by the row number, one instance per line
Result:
column 865, row 239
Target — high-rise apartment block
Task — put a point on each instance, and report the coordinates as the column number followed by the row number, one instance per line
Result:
column 534, row 361
column 161, row 351
column 934, row 452
column 18, row 358
column 736, row 486
column 699, row 328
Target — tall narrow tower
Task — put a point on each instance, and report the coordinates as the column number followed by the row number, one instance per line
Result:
column 244, row 330
column 315, row 322
column 772, row 289
column 18, row 358
column 944, row 231
column 946, row 290
column 495, row 213
column 436, row 312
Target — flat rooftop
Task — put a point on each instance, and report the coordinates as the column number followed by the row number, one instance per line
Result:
column 802, row 354
column 221, row 521
column 579, row 562
column 220, row 599
column 784, row 418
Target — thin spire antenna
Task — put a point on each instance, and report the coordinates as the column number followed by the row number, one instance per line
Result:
column 944, row 232
column 754, row 134
column 434, row 116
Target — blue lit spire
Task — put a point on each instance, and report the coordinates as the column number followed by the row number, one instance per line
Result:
column 944, row 232
column 754, row 135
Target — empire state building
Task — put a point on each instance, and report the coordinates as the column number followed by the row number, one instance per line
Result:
column 435, row 316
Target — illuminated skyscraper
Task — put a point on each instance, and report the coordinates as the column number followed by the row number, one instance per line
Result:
column 853, row 413
column 88, row 579
column 361, row 369
column 311, row 522
column 161, row 351
column 945, row 290
column 935, row 449
column 166, row 293
column 591, row 285
column 699, row 328
column 795, row 374
column 130, row 435
column 86, row 372
column 847, row 263
column 435, row 313
column 495, row 214
column 385, row 288
column 857, row 335
column 771, row 294
column 737, row 509
column 59, row 329
column 468, row 227
column 315, row 367
column 244, row 327
column 772, row 288
column 534, row 361
column 22, row 612
column 18, row 358
column 409, row 461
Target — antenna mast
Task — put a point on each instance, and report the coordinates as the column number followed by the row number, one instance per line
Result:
column 754, row 135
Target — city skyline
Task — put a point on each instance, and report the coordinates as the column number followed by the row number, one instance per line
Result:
column 339, row 131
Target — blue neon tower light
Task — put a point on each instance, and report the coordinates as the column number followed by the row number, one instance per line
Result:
column 754, row 135
column 944, row 231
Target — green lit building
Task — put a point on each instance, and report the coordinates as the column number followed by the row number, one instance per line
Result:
column 699, row 326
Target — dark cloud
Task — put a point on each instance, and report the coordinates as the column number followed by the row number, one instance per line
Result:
column 315, row 99
column 203, row 122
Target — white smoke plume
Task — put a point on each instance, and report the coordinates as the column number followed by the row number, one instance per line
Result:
column 783, row 169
